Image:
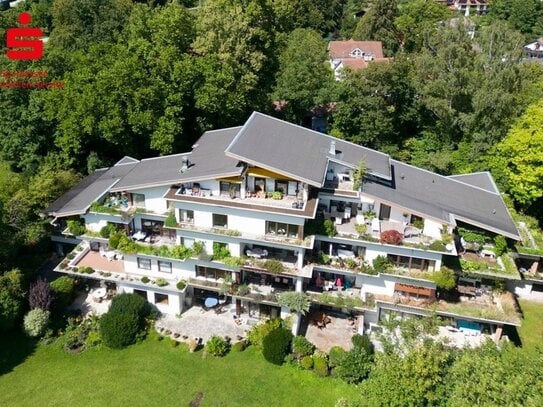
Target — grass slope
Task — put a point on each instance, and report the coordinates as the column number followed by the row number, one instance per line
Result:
column 531, row 330
column 155, row 373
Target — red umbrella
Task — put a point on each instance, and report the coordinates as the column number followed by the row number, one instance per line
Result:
column 339, row 283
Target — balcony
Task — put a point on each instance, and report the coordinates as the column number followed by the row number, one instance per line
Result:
column 268, row 238
column 287, row 205
column 91, row 264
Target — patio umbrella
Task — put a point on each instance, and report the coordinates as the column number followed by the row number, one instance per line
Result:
column 339, row 283
column 318, row 282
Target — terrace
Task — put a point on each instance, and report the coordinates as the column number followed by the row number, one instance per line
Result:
column 292, row 240
column 498, row 308
column 92, row 264
column 288, row 205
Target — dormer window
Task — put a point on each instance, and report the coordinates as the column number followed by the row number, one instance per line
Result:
column 357, row 52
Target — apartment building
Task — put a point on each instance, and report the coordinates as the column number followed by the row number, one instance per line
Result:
column 270, row 207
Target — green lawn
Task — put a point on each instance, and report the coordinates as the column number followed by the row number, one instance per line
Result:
column 154, row 373
column 531, row 330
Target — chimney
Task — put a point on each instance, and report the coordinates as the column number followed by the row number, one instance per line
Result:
column 185, row 164
column 332, row 147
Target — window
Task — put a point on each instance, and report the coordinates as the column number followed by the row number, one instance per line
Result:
column 164, row 266
column 138, row 200
column 230, row 189
column 209, row 272
column 144, row 264
column 220, row 221
column 161, row 299
column 281, row 186
column 281, row 229
column 186, row 216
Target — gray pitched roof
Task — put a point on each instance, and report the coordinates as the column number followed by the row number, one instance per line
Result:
column 298, row 152
column 207, row 161
column 442, row 197
column 126, row 160
column 78, row 199
column 482, row 180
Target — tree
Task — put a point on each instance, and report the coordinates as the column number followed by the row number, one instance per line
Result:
column 39, row 295
column 241, row 35
column 80, row 23
column 11, row 299
column 64, row 289
column 295, row 301
column 359, row 175
column 36, row 321
column 416, row 379
column 304, row 74
column 444, row 278
column 276, row 345
column 417, row 20
column 378, row 24
column 517, row 162
column 119, row 329
column 319, row 15
column 354, row 365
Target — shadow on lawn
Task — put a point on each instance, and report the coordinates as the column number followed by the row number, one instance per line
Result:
column 15, row 347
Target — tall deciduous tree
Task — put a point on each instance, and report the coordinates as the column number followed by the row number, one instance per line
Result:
column 304, row 74
column 240, row 33
column 517, row 161
column 378, row 24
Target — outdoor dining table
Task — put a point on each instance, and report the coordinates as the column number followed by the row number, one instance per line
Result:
column 99, row 293
column 210, row 302
column 139, row 235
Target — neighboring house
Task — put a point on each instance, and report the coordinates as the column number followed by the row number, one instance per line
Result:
column 354, row 54
column 249, row 201
column 534, row 50
column 466, row 6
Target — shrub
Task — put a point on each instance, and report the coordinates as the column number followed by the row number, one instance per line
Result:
column 472, row 236
column 64, row 289
column 307, row 362
column 329, row 228
column 277, row 195
column 145, row 279
column 367, row 269
column 107, row 230
column 500, row 245
column 276, row 345
column 39, row 295
column 354, row 366
column 360, row 228
column 35, row 322
column 220, row 251
column 170, row 221
column 273, row 266
column 350, row 263
column 86, row 270
column 239, row 346
column 391, row 237
column 128, row 303
column 295, row 301
column 217, row 346
column 243, row 289
column 233, row 261
column 302, row 347
column 76, row 227
column 119, row 329
column 322, row 258
column 335, row 355
column 114, row 239
column 258, row 332
column 161, row 282
column 363, row 342
column 444, row 278
column 418, row 223
column 181, row 285
column 438, row 246
column 198, row 248
column 181, row 252
column 381, row 264
column 320, row 366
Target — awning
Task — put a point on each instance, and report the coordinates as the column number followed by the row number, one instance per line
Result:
column 232, row 180
column 262, row 173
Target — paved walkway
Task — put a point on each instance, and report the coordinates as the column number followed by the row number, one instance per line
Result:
column 86, row 304
column 196, row 322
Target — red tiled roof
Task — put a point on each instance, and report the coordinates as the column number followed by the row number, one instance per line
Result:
column 343, row 49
